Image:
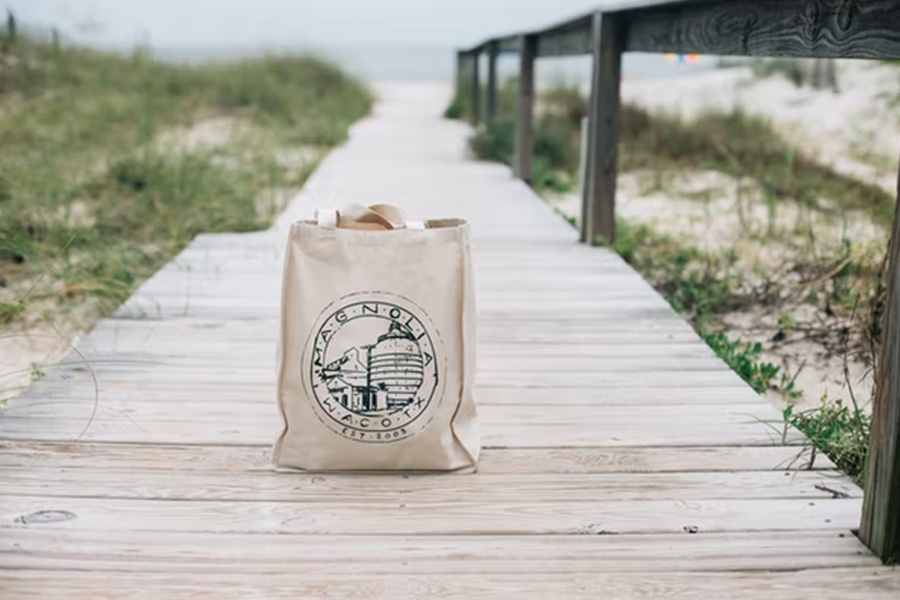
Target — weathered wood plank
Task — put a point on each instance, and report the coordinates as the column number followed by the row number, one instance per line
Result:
column 456, row 517
column 790, row 28
column 169, row 552
column 880, row 524
column 525, row 426
column 533, row 461
column 125, row 394
column 572, row 39
column 869, row 583
column 385, row 489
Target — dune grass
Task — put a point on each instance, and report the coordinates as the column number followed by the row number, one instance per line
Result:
column 91, row 203
column 735, row 143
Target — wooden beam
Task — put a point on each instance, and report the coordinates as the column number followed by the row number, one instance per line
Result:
column 474, row 89
column 572, row 39
column 524, row 108
column 490, row 110
column 508, row 44
column 789, row 28
column 880, row 525
column 599, row 194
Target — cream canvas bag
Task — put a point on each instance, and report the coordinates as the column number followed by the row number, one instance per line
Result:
column 376, row 359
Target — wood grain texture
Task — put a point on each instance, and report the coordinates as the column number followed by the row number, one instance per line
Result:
column 453, row 517
column 571, row 39
column 603, row 413
column 790, row 28
column 598, row 210
column 869, row 583
column 192, row 552
column 153, row 484
column 511, row 461
column 880, row 523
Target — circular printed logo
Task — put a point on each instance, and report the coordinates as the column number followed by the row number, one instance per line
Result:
column 374, row 365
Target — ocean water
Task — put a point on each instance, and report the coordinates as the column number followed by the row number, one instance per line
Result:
column 438, row 63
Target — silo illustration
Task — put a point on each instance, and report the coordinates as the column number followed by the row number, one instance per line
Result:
column 396, row 366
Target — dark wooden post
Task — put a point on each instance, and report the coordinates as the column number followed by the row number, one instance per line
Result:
column 490, row 109
column 880, row 525
column 460, row 72
column 10, row 24
column 524, row 108
column 474, row 88
column 598, row 209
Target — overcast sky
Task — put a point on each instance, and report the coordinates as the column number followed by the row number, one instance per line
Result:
column 314, row 23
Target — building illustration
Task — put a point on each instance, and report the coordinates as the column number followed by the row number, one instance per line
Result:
column 379, row 378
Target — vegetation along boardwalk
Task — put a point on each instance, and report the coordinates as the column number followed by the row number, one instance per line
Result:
column 623, row 459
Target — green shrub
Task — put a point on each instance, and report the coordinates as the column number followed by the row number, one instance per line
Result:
column 494, row 141
column 841, row 432
column 743, row 358
column 791, row 68
column 556, row 141
column 457, row 109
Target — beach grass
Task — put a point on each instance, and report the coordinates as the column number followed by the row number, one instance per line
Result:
column 92, row 201
column 733, row 142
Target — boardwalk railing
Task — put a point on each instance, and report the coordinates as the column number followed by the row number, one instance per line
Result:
column 769, row 28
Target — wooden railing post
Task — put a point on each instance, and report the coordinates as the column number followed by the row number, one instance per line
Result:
column 10, row 25
column 460, row 72
column 880, row 525
column 598, row 214
column 524, row 108
column 474, row 88
column 490, row 109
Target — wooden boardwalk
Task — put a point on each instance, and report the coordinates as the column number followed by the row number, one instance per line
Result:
column 622, row 459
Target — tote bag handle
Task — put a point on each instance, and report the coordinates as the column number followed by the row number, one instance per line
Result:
column 377, row 217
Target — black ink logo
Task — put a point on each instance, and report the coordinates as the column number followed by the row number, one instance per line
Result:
column 374, row 368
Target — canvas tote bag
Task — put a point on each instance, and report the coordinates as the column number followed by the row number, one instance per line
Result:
column 376, row 359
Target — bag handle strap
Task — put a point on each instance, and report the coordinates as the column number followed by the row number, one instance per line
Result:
column 326, row 217
column 378, row 217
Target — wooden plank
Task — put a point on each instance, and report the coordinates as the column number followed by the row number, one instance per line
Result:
column 524, row 146
column 125, row 394
column 787, row 28
column 598, row 218
column 571, row 39
column 880, row 524
column 456, row 517
column 532, row 461
column 384, row 489
column 169, row 552
column 265, row 428
column 869, row 583
column 527, row 426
